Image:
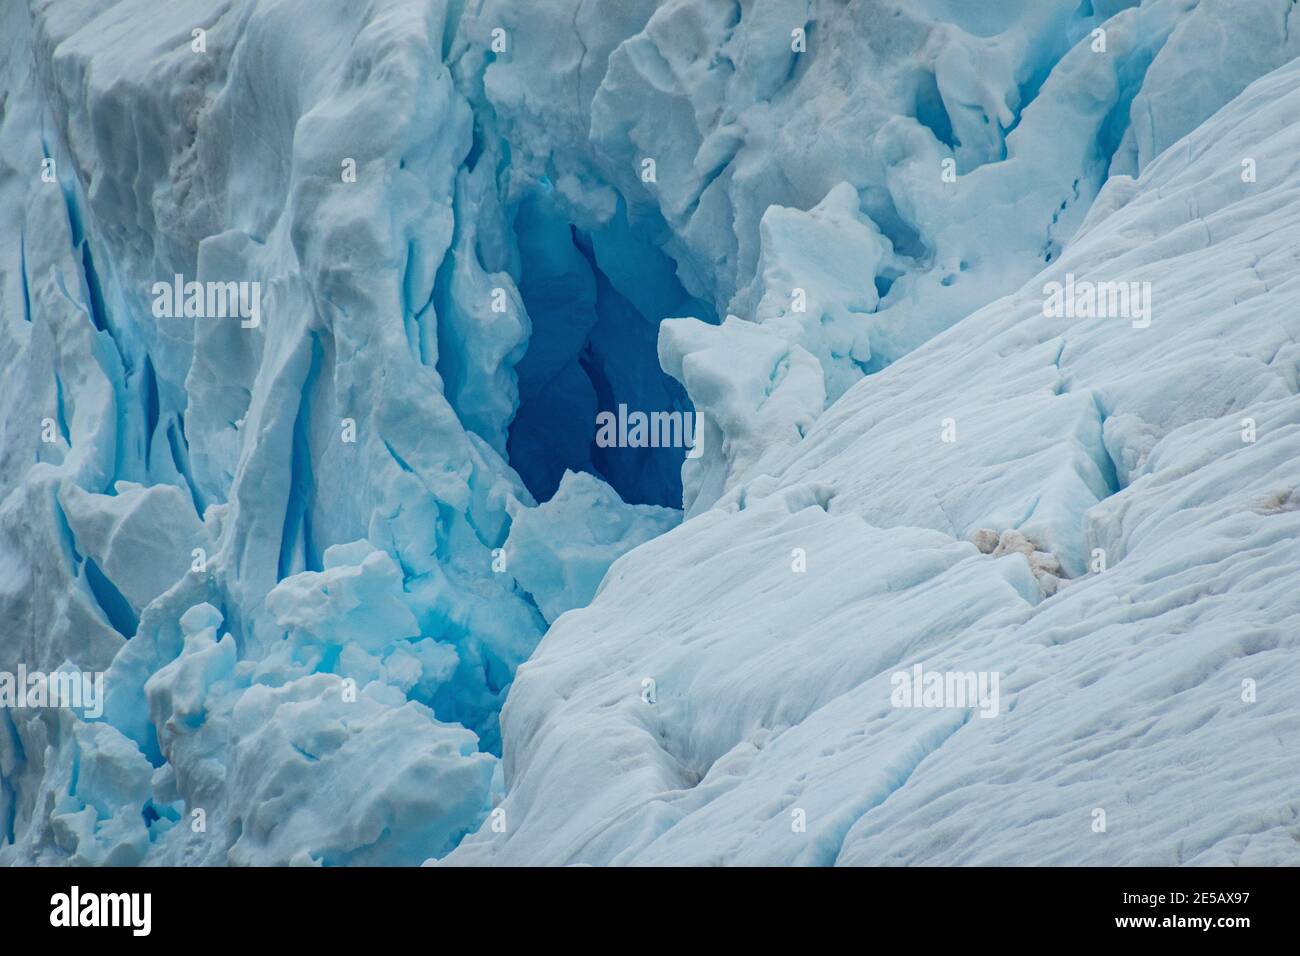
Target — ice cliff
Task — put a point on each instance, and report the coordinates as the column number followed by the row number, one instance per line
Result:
column 362, row 585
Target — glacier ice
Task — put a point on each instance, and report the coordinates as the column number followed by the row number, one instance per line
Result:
column 562, row 548
column 358, row 575
column 1123, row 692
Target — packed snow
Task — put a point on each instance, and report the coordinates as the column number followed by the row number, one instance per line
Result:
column 988, row 317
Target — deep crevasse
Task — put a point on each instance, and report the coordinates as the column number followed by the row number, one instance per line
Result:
column 481, row 175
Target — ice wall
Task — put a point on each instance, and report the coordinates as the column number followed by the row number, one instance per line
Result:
column 307, row 547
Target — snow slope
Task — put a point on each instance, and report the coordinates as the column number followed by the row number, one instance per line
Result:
column 1123, row 691
column 310, row 554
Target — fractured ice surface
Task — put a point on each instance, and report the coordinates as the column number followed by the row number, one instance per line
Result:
column 317, row 557
column 1124, row 692
column 562, row 549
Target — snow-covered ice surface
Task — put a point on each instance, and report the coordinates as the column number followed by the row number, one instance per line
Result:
column 366, row 590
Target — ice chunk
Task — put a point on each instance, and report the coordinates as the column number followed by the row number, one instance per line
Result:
column 141, row 538
column 756, row 394
column 560, row 551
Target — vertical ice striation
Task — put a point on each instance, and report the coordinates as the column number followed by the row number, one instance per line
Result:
column 311, row 539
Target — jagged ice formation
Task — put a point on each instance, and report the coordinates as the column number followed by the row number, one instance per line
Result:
column 316, row 555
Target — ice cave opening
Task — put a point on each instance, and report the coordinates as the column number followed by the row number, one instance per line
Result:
column 595, row 299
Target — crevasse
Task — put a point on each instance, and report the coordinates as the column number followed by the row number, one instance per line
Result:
column 310, row 556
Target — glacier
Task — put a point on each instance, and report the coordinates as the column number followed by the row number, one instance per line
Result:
column 365, row 590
